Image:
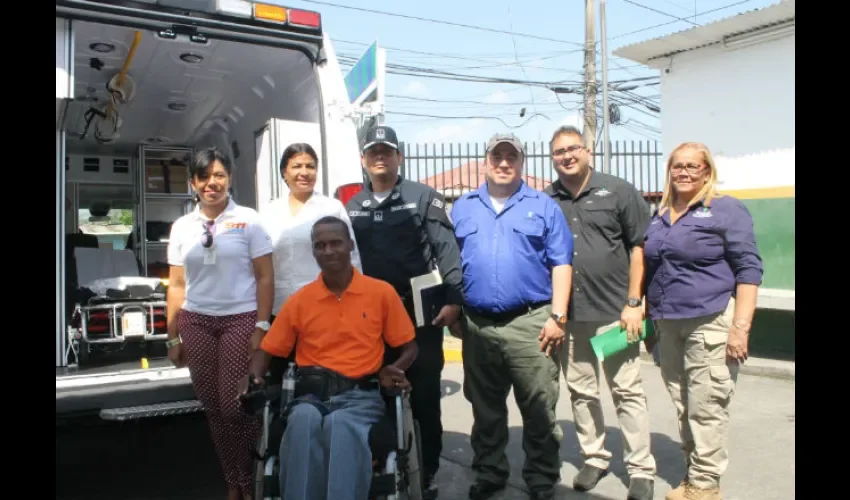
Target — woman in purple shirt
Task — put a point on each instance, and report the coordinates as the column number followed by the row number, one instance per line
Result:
column 703, row 271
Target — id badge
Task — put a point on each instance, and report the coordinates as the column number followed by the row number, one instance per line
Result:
column 209, row 256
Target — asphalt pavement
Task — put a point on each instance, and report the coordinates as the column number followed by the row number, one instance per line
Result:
column 172, row 458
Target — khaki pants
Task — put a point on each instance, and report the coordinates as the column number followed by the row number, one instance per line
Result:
column 622, row 373
column 701, row 383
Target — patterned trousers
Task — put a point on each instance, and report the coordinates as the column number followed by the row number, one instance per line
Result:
column 217, row 354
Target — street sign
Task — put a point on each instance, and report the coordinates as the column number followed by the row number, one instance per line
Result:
column 365, row 81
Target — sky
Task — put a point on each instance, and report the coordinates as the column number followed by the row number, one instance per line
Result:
column 538, row 41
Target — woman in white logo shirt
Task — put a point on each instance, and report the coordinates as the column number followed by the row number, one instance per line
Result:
column 288, row 221
column 221, row 285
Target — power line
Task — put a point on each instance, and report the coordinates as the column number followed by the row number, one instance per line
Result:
column 400, row 69
column 468, row 117
column 438, row 21
column 488, row 66
column 651, row 9
column 444, row 55
column 711, row 11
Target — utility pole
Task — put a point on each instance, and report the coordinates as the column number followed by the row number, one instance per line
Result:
column 606, row 112
column 589, row 76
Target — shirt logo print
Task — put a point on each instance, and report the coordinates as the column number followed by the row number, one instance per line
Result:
column 703, row 213
column 366, row 203
column 602, row 192
column 379, row 216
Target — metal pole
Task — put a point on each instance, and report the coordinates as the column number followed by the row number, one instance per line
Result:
column 606, row 118
column 589, row 77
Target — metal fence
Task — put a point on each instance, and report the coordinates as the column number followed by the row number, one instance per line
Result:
column 454, row 168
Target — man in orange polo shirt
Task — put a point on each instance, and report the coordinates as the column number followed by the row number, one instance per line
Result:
column 340, row 321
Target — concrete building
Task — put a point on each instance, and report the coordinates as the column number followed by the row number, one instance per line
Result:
column 731, row 85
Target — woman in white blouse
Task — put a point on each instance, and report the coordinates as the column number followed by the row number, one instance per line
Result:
column 289, row 219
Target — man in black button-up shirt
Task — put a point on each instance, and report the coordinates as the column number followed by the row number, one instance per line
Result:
column 403, row 230
column 608, row 218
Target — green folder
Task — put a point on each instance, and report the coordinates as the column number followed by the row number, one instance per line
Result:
column 615, row 340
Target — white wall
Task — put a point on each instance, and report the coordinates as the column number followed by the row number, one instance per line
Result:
column 741, row 104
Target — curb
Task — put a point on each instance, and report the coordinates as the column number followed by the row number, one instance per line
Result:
column 452, row 350
column 759, row 367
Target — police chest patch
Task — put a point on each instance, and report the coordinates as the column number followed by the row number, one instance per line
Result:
column 438, row 203
column 358, row 213
column 403, row 207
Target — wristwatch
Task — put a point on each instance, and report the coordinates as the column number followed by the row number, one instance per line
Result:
column 172, row 342
column 263, row 325
column 561, row 319
column 634, row 302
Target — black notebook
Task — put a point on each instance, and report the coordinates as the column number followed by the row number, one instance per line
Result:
column 429, row 296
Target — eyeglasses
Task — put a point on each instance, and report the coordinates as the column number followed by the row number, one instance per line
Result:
column 209, row 231
column 691, row 168
column 572, row 149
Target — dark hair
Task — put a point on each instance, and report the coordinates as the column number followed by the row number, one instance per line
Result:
column 296, row 149
column 330, row 220
column 566, row 130
column 203, row 158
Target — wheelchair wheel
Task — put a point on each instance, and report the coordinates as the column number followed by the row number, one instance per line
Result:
column 266, row 482
column 414, row 472
column 259, row 480
column 417, row 480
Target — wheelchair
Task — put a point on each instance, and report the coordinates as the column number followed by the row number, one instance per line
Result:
column 395, row 443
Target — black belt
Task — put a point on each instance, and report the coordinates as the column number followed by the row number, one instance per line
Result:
column 506, row 316
column 324, row 383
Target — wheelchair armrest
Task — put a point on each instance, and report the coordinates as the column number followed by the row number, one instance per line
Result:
column 255, row 399
column 394, row 392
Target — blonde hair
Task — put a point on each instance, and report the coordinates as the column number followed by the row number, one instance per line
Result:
column 706, row 194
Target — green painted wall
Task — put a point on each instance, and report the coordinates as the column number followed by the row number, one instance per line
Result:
column 774, row 223
column 773, row 335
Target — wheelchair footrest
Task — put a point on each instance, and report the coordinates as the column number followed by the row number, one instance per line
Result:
column 382, row 484
column 154, row 410
column 271, row 487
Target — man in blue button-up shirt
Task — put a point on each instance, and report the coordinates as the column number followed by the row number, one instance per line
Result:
column 516, row 255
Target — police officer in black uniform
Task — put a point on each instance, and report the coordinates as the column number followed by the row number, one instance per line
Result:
column 403, row 230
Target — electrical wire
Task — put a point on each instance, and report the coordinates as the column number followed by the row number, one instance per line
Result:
column 652, row 9
column 439, row 21
column 711, row 11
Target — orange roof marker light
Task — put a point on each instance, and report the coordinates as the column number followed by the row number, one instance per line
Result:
column 267, row 12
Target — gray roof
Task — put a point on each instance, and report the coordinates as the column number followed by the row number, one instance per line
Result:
column 777, row 17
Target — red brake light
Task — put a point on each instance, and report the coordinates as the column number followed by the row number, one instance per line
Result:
column 346, row 192
column 304, row 18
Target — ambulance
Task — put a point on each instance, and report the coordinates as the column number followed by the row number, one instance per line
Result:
column 140, row 85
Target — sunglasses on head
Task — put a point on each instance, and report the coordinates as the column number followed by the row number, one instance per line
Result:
column 207, row 237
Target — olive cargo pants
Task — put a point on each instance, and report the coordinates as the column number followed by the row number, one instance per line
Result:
column 497, row 357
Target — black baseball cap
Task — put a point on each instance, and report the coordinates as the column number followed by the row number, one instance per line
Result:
column 380, row 134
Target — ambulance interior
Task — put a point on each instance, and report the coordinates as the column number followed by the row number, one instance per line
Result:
column 142, row 101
